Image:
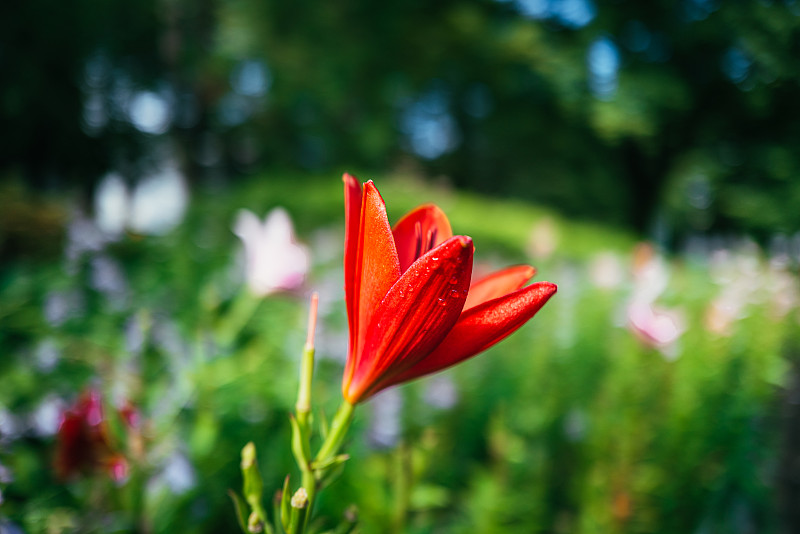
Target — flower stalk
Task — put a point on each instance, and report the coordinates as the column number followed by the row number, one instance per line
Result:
column 315, row 473
column 336, row 434
column 303, row 405
column 301, row 424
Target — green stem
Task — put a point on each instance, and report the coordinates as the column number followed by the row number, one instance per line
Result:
column 303, row 405
column 309, row 482
column 336, row 434
column 303, row 414
column 331, row 446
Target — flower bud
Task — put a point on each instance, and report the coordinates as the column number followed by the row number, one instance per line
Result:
column 248, row 455
column 300, row 499
column 254, row 523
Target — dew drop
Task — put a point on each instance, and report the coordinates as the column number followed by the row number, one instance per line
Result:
column 442, row 302
column 401, row 294
column 453, row 280
column 454, row 293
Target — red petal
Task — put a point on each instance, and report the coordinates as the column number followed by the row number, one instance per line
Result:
column 481, row 327
column 416, row 314
column 419, row 231
column 72, row 445
column 352, row 221
column 498, row 284
column 376, row 269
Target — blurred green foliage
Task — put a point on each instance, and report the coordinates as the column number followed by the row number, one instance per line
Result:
column 573, row 424
column 676, row 114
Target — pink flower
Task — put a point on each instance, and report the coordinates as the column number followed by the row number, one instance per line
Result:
column 274, row 259
column 653, row 325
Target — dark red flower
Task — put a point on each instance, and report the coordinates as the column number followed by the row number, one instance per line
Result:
column 84, row 442
column 412, row 308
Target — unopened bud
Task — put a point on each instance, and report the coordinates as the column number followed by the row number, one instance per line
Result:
column 300, row 499
column 351, row 514
column 254, row 523
column 248, row 455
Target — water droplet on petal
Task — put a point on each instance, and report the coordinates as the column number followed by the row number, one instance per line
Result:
column 454, row 293
column 453, row 279
column 442, row 302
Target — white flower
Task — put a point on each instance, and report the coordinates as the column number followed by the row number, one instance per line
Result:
column 154, row 206
column 274, row 260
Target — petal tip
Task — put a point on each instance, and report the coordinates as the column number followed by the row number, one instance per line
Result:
column 528, row 270
column 368, row 189
column 549, row 287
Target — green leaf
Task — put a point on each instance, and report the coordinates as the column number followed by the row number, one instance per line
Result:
column 329, row 462
column 286, row 498
column 241, row 510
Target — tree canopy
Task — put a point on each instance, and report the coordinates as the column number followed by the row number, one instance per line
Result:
column 625, row 112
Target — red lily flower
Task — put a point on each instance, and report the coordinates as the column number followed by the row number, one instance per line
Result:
column 411, row 307
column 84, row 442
